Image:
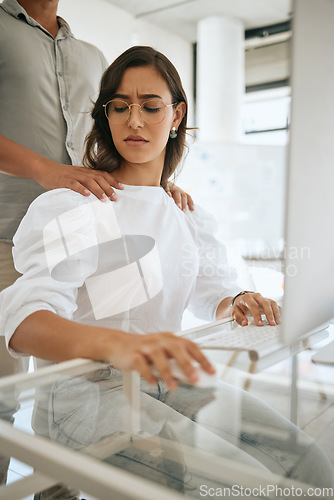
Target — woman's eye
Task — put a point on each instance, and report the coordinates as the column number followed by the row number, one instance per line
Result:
column 120, row 109
column 152, row 109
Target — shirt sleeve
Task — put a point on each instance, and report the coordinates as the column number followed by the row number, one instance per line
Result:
column 55, row 250
column 215, row 279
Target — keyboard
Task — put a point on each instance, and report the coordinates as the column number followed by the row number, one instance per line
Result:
column 258, row 341
column 242, row 338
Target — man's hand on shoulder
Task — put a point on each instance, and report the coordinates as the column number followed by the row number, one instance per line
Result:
column 181, row 198
column 80, row 179
column 19, row 161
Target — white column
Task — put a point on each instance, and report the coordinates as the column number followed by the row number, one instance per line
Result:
column 220, row 79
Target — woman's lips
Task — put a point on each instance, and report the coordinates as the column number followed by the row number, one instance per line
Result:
column 135, row 140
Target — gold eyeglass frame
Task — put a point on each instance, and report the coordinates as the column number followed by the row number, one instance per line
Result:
column 140, row 108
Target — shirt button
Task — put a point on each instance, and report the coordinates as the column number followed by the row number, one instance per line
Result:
column 60, row 73
column 65, row 108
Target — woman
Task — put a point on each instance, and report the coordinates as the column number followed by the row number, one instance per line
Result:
column 95, row 276
column 138, row 143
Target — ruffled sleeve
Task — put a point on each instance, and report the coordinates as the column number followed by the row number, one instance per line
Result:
column 55, row 250
column 215, row 279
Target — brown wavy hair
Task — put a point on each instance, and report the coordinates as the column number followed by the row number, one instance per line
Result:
column 100, row 152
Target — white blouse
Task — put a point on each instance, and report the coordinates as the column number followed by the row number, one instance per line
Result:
column 135, row 264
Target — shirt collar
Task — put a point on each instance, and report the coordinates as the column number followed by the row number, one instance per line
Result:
column 13, row 8
column 64, row 29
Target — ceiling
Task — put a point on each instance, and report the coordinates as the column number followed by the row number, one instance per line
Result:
column 181, row 16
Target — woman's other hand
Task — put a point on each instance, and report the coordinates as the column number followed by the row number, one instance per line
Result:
column 254, row 304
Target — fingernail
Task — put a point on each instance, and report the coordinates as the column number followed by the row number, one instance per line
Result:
column 121, row 186
column 260, row 323
column 244, row 322
column 179, row 205
column 86, row 192
column 113, row 197
column 104, row 198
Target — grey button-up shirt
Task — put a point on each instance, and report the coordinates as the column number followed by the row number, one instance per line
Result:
column 46, row 88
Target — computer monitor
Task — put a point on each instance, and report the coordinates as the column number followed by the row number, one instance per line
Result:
column 309, row 252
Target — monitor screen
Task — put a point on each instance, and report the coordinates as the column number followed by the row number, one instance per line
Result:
column 309, row 251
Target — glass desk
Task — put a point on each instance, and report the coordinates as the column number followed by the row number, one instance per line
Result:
column 90, row 431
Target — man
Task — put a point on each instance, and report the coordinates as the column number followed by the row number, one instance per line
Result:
column 47, row 79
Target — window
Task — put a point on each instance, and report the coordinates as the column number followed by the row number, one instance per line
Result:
column 266, row 116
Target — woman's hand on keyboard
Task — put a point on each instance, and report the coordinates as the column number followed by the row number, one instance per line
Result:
column 254, row 304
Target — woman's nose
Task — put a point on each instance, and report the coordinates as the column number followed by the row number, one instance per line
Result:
column 135, row 119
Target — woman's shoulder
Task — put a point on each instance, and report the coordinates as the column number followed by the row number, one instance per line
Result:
column 56, row 202
column 59, row 198
column 201, row 220
column 48, row 207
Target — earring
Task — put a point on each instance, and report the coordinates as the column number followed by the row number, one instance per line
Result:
column 173, row 133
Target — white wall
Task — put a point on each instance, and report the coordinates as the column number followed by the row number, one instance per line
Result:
column 113, row 30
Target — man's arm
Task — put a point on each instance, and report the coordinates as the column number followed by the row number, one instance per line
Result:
column 19, row 161
column 181, row 198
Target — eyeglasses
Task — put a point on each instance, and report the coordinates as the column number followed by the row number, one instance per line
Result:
column 152, row 111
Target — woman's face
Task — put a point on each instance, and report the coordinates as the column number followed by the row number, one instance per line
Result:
column 136, row 140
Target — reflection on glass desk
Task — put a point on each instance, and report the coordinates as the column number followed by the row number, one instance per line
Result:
column 113, row 436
